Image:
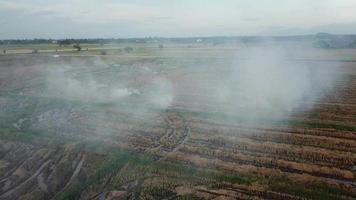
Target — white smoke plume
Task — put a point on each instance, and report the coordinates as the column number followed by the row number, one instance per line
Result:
column 155, row 91
column 265, row 83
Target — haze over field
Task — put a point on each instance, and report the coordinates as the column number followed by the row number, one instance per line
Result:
column 131, row 99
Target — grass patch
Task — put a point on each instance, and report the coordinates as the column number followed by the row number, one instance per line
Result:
column 34, row 137
column 222, row 117
column 237, row 178
column 157, row 193
column 339, row 127
column 115, row 163
column 318, row 192
column 12, row 134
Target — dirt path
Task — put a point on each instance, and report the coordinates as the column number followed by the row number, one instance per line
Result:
column 41, row 183
column 76, row 172
column 14, row 168
column 74, row 175
column 186, row 134
column 169, row 131
column 39, row 170
column 182, row 141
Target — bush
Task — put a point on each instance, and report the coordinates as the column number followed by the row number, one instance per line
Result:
column 128, row 49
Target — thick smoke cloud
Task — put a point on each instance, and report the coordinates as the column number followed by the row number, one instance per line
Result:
column 154, row 91
column 265, row 83
column 62, row 86
column 262, row 84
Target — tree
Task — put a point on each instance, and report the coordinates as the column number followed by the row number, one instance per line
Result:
column 78, row 47
column 64, row 42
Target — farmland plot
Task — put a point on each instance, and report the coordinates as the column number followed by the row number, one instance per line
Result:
column 177, row 124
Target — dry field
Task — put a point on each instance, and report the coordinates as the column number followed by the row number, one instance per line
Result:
column 67, row 132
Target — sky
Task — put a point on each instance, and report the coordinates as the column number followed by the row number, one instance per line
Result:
column 26, row 19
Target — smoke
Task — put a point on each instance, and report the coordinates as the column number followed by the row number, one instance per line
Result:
column 264, row 83
column 60, row 85
column 160, row 93
column 129, row 90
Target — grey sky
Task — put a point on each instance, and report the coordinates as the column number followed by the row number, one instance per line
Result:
column 140, row 18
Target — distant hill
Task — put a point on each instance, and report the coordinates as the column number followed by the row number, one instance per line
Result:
column 326, row 40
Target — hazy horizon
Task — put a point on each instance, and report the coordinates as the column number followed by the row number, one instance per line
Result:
column 173, row 37
column 27, row 19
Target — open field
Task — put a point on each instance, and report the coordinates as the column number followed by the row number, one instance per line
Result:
column 150, row 124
